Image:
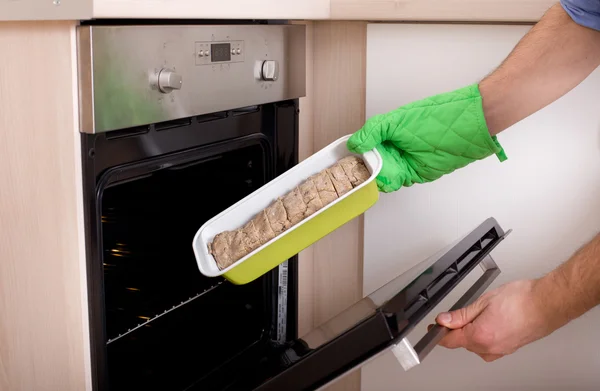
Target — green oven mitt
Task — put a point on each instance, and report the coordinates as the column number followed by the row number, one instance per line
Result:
column 423, row 140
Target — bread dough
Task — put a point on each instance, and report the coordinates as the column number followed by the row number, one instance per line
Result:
column 294, row 206
column 310, row 196
column 340, row 181
column 325, row 188
column 263, row 228
column 355, row 169
column 250, row 237
column 237, row 248
column 219, row 248
column 277, row 217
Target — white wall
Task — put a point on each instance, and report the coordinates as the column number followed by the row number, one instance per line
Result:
column 548, row 191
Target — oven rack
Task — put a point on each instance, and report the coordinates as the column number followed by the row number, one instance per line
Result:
column 192, row 298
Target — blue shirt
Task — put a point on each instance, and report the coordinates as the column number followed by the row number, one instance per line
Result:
column 583, row 12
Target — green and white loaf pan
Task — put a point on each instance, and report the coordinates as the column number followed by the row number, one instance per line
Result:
column 297, row 237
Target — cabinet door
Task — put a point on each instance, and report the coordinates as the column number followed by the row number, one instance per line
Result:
column 380, row 322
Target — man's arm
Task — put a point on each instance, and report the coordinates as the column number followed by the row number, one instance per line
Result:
column 516, row 314
column 459, row 127
column 573, row 288
column 553, row 58
column 550, row 60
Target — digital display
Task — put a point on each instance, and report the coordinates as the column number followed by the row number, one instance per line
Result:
column 220, row 52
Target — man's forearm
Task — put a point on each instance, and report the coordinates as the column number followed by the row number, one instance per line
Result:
column 573, row 288
column 554, row 57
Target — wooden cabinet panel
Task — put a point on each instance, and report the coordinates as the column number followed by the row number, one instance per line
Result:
column 331, row 270
column 400, row 10
column 43, row 319
column 45, row 10
column 164, row 9
column 440, row 10
column 223, row 9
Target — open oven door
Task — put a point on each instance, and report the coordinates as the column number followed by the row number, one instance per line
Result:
column 381, row 321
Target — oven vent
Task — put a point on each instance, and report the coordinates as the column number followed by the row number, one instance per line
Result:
column 245, row 110
column 176, row 123
column 127, row 132
column 211, row 117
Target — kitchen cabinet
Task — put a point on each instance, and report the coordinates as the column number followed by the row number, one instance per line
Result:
column 331, row 269
column 230, row 9
column 440, row 10
column 390, row 10
column 43, row 327
column 550, row 219
column 163, row 9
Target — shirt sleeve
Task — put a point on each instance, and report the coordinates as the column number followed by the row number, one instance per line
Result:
column 583, row 12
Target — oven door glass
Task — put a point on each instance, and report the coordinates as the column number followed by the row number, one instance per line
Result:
column 381, row 321
column 167, row 326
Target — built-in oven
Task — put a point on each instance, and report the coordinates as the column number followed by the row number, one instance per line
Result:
column 178, row 123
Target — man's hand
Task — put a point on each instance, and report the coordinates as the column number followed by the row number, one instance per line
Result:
column 423, row 140
column 499, row 323
column 516, row 314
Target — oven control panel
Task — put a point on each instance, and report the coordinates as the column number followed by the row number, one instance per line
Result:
column 209, row 53
column 139, row 75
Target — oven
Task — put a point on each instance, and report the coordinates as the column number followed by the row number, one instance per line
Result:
column 179, row 127
column 178, row 123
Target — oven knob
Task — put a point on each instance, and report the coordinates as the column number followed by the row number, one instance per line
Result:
column 169, row 81
column 270, row 70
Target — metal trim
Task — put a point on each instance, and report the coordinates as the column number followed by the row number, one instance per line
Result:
column 86, row 81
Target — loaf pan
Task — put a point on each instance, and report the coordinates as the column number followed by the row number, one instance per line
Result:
column 299, row 236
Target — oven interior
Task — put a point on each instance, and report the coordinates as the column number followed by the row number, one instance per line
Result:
column 159, row 323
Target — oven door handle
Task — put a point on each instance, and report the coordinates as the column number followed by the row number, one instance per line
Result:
column 409, row 356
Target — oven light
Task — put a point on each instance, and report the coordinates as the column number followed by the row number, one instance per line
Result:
column 119, row 252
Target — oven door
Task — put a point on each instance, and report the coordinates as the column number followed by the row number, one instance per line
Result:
column 166, row 325
column 381, row 321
